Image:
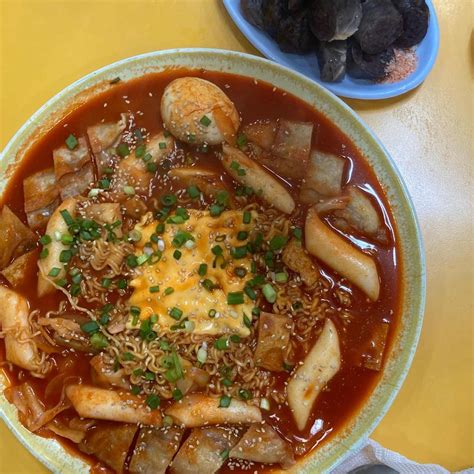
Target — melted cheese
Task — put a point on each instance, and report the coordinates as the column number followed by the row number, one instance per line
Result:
column 182, row 275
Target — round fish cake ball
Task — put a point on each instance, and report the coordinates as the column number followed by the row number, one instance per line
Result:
column 197, row 111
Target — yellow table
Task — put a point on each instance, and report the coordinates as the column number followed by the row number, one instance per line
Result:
column 46, row 45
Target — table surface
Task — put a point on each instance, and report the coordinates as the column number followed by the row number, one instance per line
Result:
column 46, row 45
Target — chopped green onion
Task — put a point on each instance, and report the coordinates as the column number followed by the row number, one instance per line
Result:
column 132, row 261
column 224, row 401
column 216, row 250
column 104, row 183
column 177, row 394
column 160, row 228
column 212, row 313
column 269, row 293
column 147, row 157
column 153, row 318
column 135, row 310
column 140, row 151
column 153, row 401
column 45, row 240
column 99, row 341
column 54, row 272
column 278, row 242
column 67, row 239
column 71, row 142
column 239, row 252
column 176, row 220
column 221, row 344
column 65, row 256
column 226, row 382
column 202, row 270
column 168, row 290
column 177, row 254
column 247, row 217
column 129, row 190
column 235, row 338
column 193, row 192
column 135, row 390
column 141, row 259
column 154, row 289
column 242, row 235
column 281, row 277
column 168, row 200
column 256, row 311
column 76, row 278
column 181, row 238
column 298, row 233
column 205, row 120
column 241, row 140
column 151, row 167
column 162, row 145
column 245, row 394
column 67, row 217
column 106, row 282
column 149, row 376
column 215, row 210
column 224, row 454
column 104, row 319
column 122, row 284
column 44, row 253
column 202, row 354
column 175, row 313
column 128, row 356
column 75, row 289
column 208, row 284
column 247, row 321
column 122, row 150
column 250, row 293
column 235, row 298
column 164, row 345
column 90, row 327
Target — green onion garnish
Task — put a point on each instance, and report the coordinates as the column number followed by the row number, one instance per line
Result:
column 224, row 401
column 250, row 293
column 154, row 289
column 54, row 272
column 269, row 293
column 153, row 401
column 193, row 192
column 212, row 313
column 247, row 321
column 242, row 235
column 177, row 254
column 205, row 120
column 278, row 242
column 298, row 233
column 99, row 341
column 240, row 272
column 245, row 394
column 168, row 199
column 177, row 394
column 202, row 270
column 45, row 240
column 90, row 327
column 168, row 290
column 221, row 344
column 236, row 297
column 175, row 313
column 247, row 217
column 71, row 142
column 140, row 151
column 122, row 150
column 281, row 277
column 65, row 256
column 106, row 282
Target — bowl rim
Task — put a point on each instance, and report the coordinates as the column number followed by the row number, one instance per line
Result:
column 253, row 62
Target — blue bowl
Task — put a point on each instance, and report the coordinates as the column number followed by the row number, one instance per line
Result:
column 307, row 64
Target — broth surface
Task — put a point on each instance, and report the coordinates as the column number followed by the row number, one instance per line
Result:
column 348, row 390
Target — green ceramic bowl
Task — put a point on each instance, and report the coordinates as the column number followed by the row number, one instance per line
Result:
column 352, row 437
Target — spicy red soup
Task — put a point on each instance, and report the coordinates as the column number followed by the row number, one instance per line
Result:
column 201, row 272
